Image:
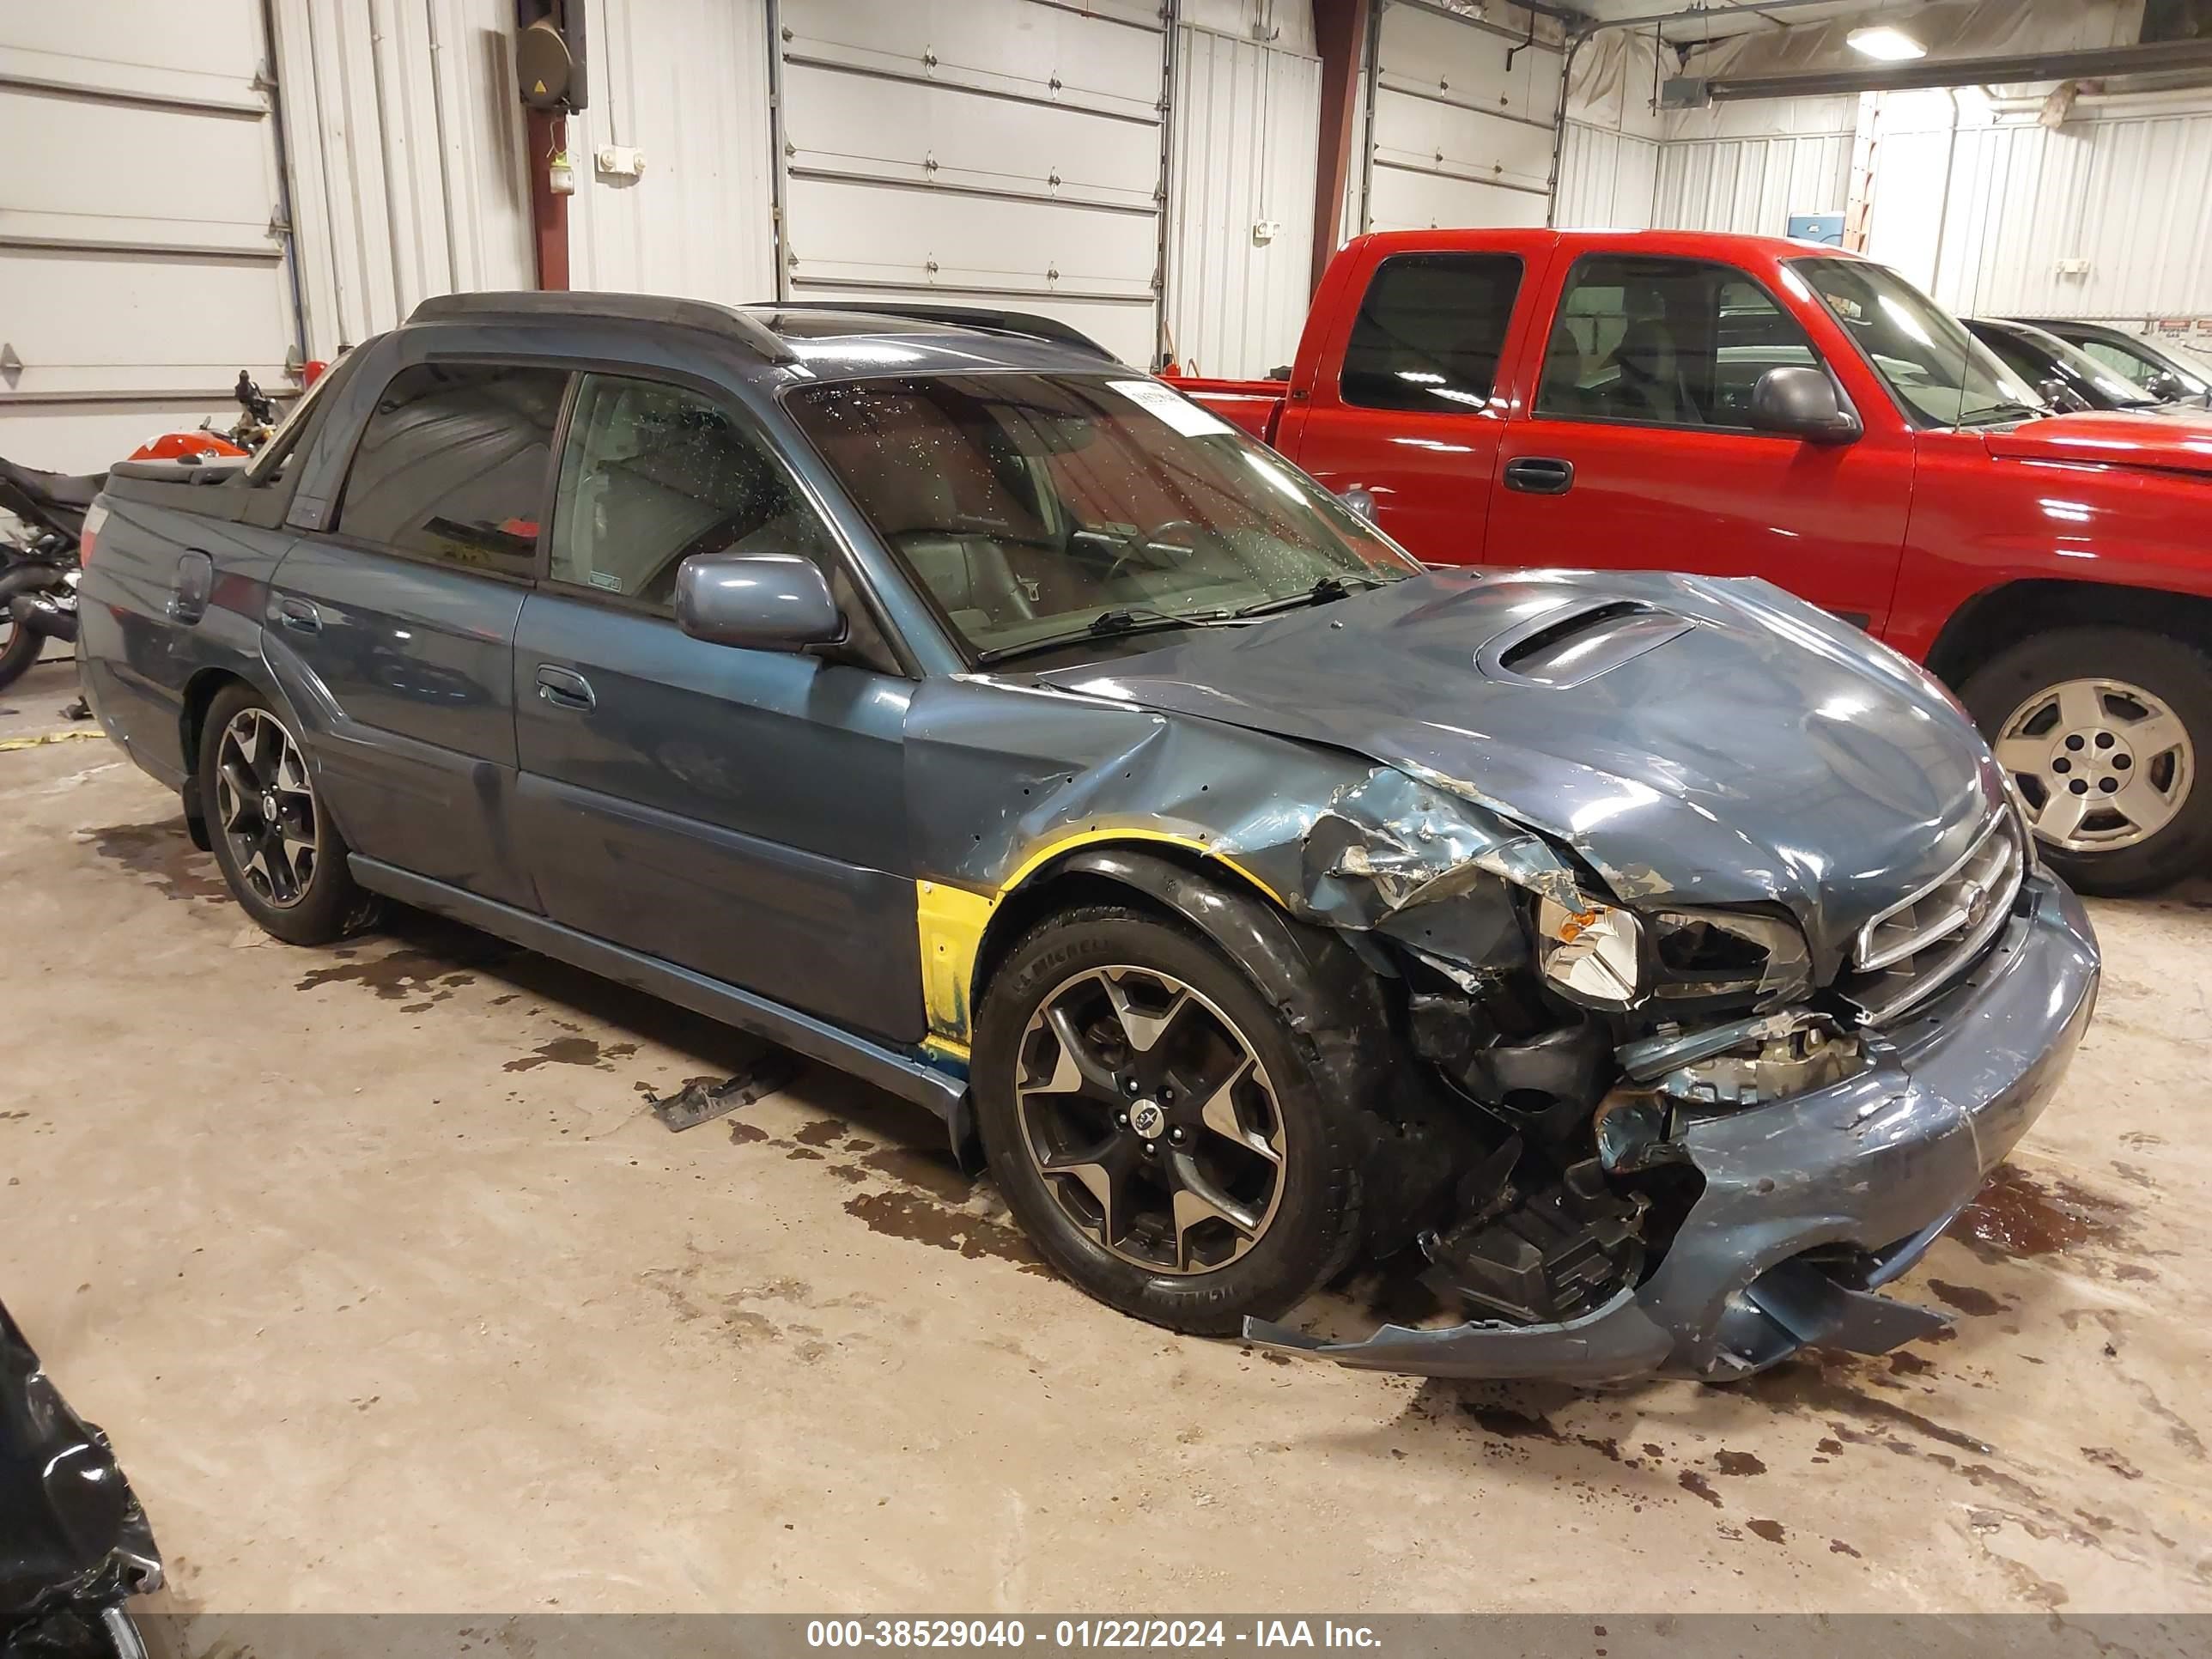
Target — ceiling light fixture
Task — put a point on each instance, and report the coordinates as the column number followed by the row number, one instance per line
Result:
column 1888, row 45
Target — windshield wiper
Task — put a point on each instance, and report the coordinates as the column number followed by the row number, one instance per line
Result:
column 2004, row 412
column 1328, row 588
column 1130, row 619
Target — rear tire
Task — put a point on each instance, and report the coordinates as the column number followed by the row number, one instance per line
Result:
column 1231, row 1187
column 2107, row 731
column 282, row 857
column 24, row 646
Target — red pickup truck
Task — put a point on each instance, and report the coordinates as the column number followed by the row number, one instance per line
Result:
column 1743, row 406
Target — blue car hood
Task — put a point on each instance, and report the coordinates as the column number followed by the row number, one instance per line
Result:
column 1700, row 740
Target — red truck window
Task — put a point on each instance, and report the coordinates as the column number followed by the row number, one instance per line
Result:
column 1429, row 332
column 1663, row 343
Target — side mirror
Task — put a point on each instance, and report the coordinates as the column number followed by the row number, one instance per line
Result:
column 1359, row 500
column 764, row 601
column 2165, row 386
column 1801, row 403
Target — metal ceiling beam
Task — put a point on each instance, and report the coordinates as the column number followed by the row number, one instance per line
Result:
column 1746, row 12
column 1968, row 71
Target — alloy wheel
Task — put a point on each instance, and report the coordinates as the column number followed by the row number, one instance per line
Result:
column 1152, row 1119
column 2103, row 764
column 265, row 807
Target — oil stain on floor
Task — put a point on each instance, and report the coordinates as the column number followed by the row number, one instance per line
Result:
column 164, row 855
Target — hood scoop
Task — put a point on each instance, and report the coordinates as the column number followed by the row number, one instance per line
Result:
column 1574, row 643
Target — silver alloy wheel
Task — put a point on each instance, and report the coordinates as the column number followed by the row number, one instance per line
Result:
column 1151, row 1118
column 2103, row 764
column 266, row 807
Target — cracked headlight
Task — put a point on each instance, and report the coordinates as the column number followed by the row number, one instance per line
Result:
column 1593, row 954
column 1736, row 956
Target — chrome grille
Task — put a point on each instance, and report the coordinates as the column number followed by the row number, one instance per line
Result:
column 1912, row 951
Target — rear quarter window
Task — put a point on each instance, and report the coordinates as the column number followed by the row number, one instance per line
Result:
column 453, row 464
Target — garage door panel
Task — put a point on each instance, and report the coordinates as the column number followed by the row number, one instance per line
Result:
column 1445, row 58
column 983, row 152
column 1110, row 59
column 1401, row 199
column 930, row 134
column 1412, row 131
column 853, row 231
column 110, row 163
column 138, row 323
column 1123, row 328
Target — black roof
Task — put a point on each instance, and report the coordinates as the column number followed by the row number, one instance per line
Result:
column 768, row 328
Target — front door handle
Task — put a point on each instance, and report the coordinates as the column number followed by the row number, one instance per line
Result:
column 300, row 616
column 564, row 687
column 1540, row 474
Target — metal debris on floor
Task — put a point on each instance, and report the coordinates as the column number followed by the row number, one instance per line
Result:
column 702, row 1099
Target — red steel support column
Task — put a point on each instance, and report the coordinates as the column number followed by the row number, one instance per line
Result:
column 1340, row 32
column 547, row 136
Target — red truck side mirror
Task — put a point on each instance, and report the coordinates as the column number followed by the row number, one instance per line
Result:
column 1802, row 402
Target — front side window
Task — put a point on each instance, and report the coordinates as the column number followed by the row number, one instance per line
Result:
column 652, row 473
column 1938, row 372
column 1664, row 342
column 1429, row 332
column 1038, row 510
column 453, row 464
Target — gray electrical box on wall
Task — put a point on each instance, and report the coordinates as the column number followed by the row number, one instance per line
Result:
column 1684, row 92
column 549, row 53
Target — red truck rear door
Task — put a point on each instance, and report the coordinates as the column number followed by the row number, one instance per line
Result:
column 1399, row 396
column 1636, row 449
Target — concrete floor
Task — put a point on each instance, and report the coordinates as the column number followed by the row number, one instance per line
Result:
column 394, row 1295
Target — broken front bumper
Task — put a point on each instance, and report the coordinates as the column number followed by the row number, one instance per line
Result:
column 1811, row 1203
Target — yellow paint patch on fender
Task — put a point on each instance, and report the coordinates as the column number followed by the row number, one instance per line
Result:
column 952, row 920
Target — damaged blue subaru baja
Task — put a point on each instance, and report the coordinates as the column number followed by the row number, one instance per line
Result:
column 1657, row 962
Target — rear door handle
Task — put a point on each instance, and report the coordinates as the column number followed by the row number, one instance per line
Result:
column 300, row 616
column 1540, row 474
column 564, row 687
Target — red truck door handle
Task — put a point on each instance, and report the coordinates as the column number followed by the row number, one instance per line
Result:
column 1540, row 474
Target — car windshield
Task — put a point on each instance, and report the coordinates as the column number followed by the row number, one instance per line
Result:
column 2118, row 391
column 1942, row 376
column 1042, row 509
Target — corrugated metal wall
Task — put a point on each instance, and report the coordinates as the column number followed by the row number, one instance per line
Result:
column 1240, row 208
column 406, row 163
column 1607, row 179
column 685, row 82
column 1753, row 184
column 2131, row 195
column 1610, row 151
column 1458, row 137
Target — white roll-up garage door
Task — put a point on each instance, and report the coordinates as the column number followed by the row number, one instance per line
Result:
column 1458, row 136
column 142, row 248
column 980, row 152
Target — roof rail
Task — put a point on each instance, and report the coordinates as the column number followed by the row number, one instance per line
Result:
column 585, row 304
column 988, row 319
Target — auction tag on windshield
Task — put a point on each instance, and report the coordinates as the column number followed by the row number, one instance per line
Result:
column 1177, row 411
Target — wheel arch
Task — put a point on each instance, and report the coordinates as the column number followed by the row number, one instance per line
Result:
column 2002, row 616
column 1329, row 998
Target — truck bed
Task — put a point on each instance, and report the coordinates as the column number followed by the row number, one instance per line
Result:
column 1254, row 405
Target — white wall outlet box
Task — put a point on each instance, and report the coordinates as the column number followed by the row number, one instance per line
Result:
column 620, row 161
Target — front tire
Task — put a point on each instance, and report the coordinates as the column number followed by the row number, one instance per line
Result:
column 2107, row 732
column 282, row 858
column 19, row 646
column 1152, row 1127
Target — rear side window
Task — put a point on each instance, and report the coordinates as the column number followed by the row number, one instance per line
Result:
column 453, row 464
column 654, row 473
column 1431, row 331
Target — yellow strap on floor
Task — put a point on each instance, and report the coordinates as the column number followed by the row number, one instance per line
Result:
column 45, row 738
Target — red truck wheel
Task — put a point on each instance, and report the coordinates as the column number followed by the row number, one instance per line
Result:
column 2107, row 731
